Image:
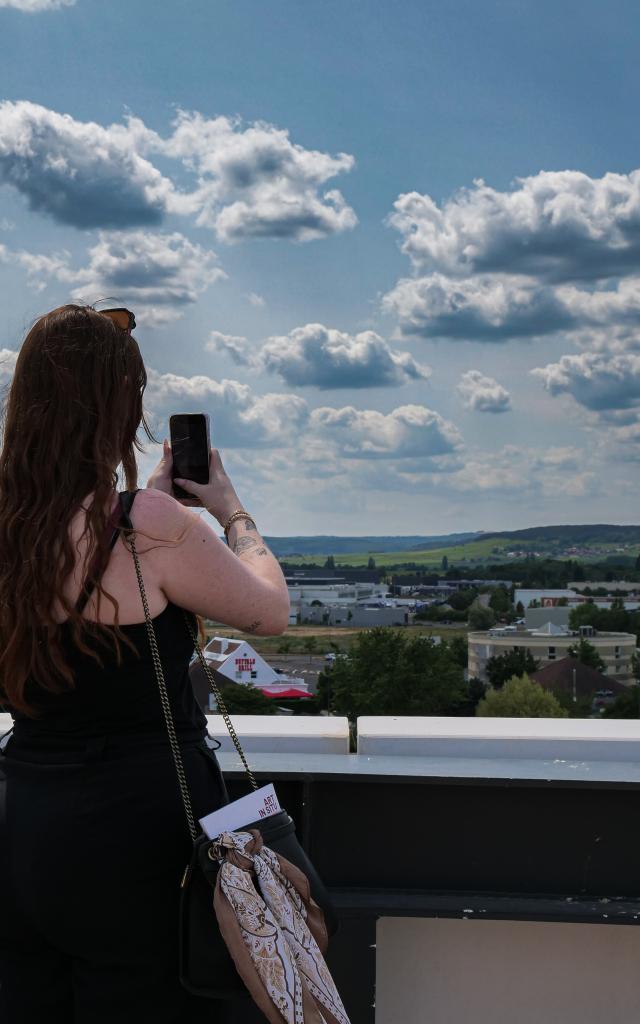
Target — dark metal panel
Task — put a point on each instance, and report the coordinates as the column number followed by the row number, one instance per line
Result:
column 478, row 839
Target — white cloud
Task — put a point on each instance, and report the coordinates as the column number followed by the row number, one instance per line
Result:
column 8, row 357
column 322, row 357
column 251, row 180
column 499, row 307
column 483, row 394
column 481, row 308
column 605, row 307
column 35, row 6
column 319, row 356
column 39, row 267
column 239, row 418
column 158, row 275
column 520, row 473
column 410, row 431
column 255, row 182
column 555, row 225
column 233, row 345
column 598, row 381
column 78, row 172
column 256, row 300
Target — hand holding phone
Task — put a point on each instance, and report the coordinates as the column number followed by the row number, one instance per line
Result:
column 205, row 484
column 190, row 447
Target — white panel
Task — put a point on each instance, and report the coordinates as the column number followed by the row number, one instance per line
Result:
column 321, row 734
column 506, row 972
column 572, row 739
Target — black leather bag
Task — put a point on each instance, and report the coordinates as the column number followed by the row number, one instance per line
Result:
column 206, row 967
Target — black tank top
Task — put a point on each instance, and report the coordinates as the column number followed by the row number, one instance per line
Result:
column 119, row 700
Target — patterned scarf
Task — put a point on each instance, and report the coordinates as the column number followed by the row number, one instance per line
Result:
column 275, row 932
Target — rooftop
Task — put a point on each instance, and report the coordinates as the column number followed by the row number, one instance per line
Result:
column 499, row 851
column 561, row 675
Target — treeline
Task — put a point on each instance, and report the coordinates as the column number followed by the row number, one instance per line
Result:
column 616, row 619
column 531, row 572
column 387, row 672
column 553, row 573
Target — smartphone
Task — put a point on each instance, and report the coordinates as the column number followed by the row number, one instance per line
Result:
column 190, row 447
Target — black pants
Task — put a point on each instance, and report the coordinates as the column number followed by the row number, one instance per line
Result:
column 93, row 850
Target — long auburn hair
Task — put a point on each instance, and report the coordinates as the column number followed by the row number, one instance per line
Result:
column 70, row 417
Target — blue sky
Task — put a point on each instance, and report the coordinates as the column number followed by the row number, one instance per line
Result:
column 393, row 250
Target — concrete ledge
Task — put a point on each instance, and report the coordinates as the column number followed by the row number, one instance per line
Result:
column 531, row 738
column 283, row 733
column 272, row 733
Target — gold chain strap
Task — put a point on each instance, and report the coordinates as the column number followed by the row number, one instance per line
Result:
column 164, row 698
column 220, row 702
column 166, row 705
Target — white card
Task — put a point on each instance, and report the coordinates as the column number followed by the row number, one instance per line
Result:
column 260, row 804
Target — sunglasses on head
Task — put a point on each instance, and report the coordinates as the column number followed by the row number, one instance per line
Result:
column 122, row 318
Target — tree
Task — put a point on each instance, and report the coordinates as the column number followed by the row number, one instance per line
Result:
column 520, row 698
column 481, row 618
column 310, row 644
column 459, row 648
column 444, row 563
column 626, row 705
column 241, row 699
column 371, row 564
column 500, row 602
column 587, row 654
column 388, row 672
column 462, row 599
column 516, row 662
column 330, row 563
column 580, row 708
column 284, row 646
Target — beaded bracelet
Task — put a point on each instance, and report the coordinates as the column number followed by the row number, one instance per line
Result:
column 238, row 514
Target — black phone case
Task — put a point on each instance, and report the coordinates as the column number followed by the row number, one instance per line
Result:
column 179, row 492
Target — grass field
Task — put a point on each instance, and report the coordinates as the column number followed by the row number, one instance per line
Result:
column 325, row 635
column 474, row 552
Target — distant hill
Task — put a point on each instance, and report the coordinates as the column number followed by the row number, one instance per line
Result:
column 570, row 536
column 324, row 545
column 598, row 540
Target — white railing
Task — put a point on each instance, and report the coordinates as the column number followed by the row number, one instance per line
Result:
column 585, row 739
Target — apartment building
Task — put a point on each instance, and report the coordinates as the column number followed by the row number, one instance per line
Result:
column 550, row 643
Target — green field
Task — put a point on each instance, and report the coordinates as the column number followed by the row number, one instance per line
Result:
column 475, row 551
column 325, row 636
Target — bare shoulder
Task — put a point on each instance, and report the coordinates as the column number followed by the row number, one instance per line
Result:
column 159, row 514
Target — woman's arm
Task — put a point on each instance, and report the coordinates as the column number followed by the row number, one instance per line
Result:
column 244, row 588
column 241, row 584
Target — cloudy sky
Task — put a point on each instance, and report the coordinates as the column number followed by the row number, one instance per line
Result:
column 393, row 250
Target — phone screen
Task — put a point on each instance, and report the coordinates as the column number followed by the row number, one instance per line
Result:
column 190, row 446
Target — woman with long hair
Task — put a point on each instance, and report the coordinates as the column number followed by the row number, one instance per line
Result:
column 93, row 837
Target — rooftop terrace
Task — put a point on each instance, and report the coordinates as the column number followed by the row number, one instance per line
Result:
column 482, row 868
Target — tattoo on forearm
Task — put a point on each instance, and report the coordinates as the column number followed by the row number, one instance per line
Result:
column 244, row 544
column 250, row 525
column 252, row 627
column 261, row 551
